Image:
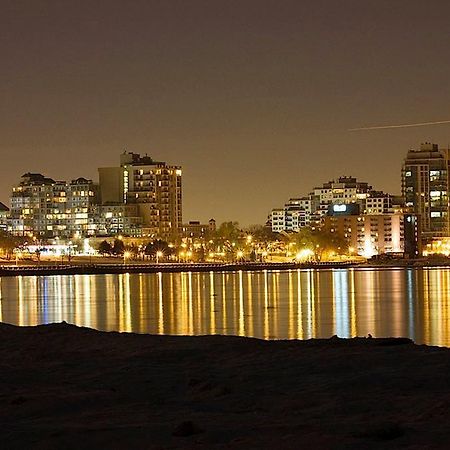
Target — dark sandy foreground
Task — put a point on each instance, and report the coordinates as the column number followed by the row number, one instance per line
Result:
column 67, row 387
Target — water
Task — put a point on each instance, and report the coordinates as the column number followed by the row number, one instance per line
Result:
column 298, row 304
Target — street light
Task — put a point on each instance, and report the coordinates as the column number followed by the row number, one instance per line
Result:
column 126, row 255
column 159, row 254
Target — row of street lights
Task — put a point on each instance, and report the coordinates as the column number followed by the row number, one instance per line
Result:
column 127, row 255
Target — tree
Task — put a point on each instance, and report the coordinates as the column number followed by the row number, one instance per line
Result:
column 152, row 248
column 8, row 243
column 118, row 247
column 228, row 231
column 104, row 248
column 318, row 241
column 262, row 233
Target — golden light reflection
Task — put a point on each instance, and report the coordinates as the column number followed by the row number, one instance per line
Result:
column 426, row 306
column 398, row 321
column 300, row 304
column 191, row 306
column 241, row 331
column 266, row 306
column 141, row 302
column 291, row 325
column 224, row 304
column 354, row 327
column 212, row 307
column 340, row 303
column 250, row 311
column 310, row 299
column 1, row 301
column 20, row 279
column 124, row 303
column 160, row 305
column 275, row 310
column 299, row 307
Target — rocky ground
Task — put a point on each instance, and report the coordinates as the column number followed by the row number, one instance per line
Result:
column 65, row 387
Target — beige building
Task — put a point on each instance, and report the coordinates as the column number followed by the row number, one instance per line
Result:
column 377, row 234
column 195, row 229
column 153, row 186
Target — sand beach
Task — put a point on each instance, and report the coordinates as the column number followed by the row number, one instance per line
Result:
column 68, row 387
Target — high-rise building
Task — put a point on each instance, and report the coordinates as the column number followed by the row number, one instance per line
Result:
column 154, row 186
column 425, row 187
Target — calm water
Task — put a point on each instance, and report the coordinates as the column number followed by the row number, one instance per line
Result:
column 298, row 304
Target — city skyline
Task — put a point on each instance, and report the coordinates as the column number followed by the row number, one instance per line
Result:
column 254, row 100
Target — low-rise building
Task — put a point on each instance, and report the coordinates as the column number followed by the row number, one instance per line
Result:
column 195, row 229
column 375, row 234
column 345, row 190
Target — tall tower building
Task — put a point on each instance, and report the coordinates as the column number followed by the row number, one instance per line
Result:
column 425, row 187
column 154, row 186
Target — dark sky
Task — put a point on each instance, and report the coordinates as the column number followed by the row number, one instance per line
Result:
column 253, row 98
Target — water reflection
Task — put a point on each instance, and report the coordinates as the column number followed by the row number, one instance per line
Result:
column 298, row 304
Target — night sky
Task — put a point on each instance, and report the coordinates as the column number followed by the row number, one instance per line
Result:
column 253, row 98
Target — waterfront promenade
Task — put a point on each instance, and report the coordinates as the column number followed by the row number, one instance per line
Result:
column 82, row 267
column 91, row 269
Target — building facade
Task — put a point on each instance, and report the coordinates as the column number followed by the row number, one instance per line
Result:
column 154, row 186
column 340, row 193
column 42, row 207
column 425, row 187
column 369, row 235
column 38, row 207
column 196, row 229
column 4, row 217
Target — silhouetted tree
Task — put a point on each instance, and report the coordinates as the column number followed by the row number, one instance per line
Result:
column 118, row 247
column 104, row 248
column 8, row 243
column 157, row 246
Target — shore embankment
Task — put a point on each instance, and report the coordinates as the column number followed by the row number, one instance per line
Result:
column 33, row 269
column 91, row 269
column 69, row 387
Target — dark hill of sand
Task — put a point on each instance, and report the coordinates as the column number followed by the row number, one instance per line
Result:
column 65, row 387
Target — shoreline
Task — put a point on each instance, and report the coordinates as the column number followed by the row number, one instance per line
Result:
column 111, row 268
column 71, row 387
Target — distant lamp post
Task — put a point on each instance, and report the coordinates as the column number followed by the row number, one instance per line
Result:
column 126, row 255
column 240, row 254
column 159, row 254
column 17, row 258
